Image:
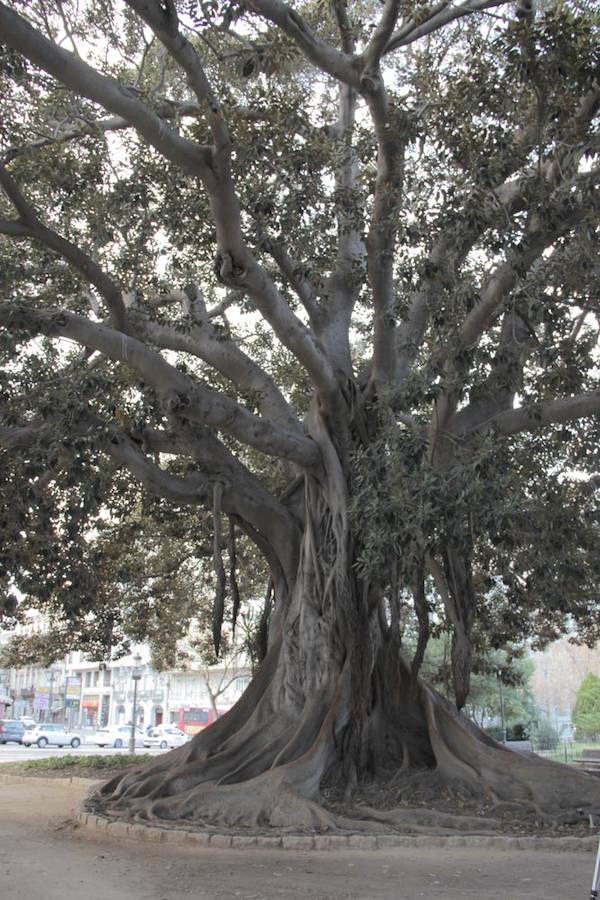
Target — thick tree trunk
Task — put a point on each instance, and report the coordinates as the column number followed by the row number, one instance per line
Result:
column 335, row 701
column 318, row 709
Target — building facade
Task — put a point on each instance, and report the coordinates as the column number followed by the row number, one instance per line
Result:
column 89, row 695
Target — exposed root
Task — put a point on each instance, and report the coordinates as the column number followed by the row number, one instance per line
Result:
column 426, row 817
column 467, row 756
column 266, row 801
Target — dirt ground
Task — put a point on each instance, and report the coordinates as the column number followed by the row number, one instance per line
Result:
column 42, row 856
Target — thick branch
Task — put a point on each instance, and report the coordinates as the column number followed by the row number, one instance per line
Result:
column 544, row 228
column 345, row 282
column 30, row 226
column 381, row 239
column 168, row 110
column 245, row 495
column 435, row 18
column 381, row 36
column 204, row 342
column 497, row 204
column 180, row 395
column 165, row 26
column 291, row 269
column 237, row 267
column 538, row 415
column 84, row 80
column 328, row 59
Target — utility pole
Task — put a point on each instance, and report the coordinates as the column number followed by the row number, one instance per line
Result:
column 50, row 697
column 502, row 718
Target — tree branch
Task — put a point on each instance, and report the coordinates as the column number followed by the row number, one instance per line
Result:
column 544, row 227
column 204, row 342
column 439, row 15
column 179, row 394
column 538, row 415
column 381, row 239
column 381, row 36
column 170, row 109
column 328, row 59
column 165, row 25
column 237, row 267
column 291, row 269
column 30, row 226
column 85, row 81
column 245, row 495
column 479, row 214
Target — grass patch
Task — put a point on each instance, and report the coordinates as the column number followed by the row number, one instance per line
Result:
column 70, row 761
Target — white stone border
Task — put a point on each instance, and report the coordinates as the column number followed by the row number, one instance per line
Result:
column 187, row 837
column 182, row 836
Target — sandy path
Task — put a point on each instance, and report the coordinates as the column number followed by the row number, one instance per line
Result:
column 42, row 857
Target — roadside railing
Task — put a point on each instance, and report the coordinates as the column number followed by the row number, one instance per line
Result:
column 567, row 751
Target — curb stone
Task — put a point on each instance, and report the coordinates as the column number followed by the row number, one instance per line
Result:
column 305, row 842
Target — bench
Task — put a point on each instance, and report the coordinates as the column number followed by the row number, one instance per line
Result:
column 589, row 760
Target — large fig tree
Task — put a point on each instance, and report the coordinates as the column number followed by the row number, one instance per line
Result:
column 327, row 271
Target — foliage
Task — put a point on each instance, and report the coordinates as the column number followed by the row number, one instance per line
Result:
column 586, row 712
column 544, row 735
column 500, row 684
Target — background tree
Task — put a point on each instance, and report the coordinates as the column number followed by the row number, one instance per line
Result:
column 586, row 713
column 329, row 271
column 499, row 686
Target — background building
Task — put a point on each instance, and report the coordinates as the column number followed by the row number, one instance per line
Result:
column 90, row 695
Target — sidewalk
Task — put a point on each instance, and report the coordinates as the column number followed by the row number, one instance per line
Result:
column 41, row 855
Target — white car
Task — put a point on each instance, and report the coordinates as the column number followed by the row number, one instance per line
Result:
column 117, row 736
column 164, row 736
column 51, row 733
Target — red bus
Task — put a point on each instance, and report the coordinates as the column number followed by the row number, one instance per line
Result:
column 193, row 719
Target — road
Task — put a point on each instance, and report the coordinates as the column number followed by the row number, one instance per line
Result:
column 10, row 753
column 43, row 855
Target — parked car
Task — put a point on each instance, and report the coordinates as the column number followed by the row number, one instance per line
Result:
column 117, row 736
column 51, row 733
column 28, row 722
column 11, row 730
column 164, row 736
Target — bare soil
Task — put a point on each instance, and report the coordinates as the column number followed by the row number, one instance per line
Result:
column 43, row 854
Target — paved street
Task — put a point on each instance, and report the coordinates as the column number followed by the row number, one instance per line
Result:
column 10, row 753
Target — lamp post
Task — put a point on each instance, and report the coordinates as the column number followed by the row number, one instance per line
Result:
column 136, row 675
column 502, row 716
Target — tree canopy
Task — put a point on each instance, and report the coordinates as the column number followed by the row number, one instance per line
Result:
column 327, row 271
column 586, row 713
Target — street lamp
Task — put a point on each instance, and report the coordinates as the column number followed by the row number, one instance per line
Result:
column 136, row 675
column 502, row 716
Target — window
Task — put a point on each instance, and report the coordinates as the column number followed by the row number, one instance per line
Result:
column 195, row 716
column 106, row 679
column 96, row 678
column 241, row 683
column 88, row 679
